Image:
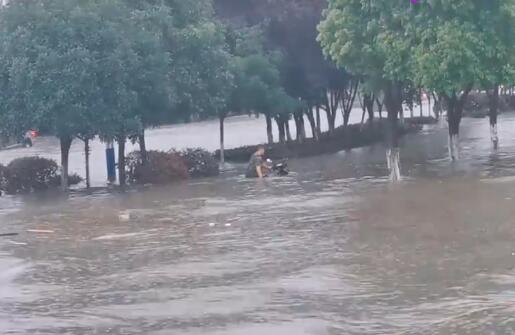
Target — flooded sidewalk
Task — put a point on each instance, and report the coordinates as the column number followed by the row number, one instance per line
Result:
column 332, row 249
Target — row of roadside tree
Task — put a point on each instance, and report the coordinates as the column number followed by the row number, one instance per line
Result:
column 112, row 68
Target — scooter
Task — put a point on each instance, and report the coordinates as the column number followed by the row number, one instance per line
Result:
column 280, row 168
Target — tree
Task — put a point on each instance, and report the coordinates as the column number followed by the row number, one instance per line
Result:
column 243, row 43
column 498, row 60
column 259, row 89
column 462, row 44
column 373, row 40
column 149, row 77
column 49, row 68
column 80, row 69
column 289, row 27
column 196, row 79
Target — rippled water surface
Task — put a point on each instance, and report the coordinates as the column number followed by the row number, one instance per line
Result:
column 332, row 249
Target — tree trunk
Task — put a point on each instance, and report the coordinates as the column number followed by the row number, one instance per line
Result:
column 369, row 105
column 282, row 132
column 363, row 117
column 143, row 147
column 312, row 123
column 287, row 130
column 428, row 104
column 346, row 118
column 269, row 133
column 379, row 108
column 492, row 114
column 222, row 140
column 121, row 161
column 454, row 115
column 86, row 154
column 331, row 119
column 319, row 126
column 330, row 110
column 393, row 103
column 66, row 143
column 437, row 106
column 299, row 124
column 454, row 132
column 420, row 103
column 348, row 104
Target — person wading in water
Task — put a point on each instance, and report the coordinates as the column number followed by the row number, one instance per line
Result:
column 257, row 167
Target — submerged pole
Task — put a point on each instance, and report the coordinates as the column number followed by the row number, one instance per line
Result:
column 110, row 162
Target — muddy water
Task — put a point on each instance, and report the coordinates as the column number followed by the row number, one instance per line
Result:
column 331, row 249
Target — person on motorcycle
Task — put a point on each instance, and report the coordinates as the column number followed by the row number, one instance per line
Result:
column 27, row 139
column 257, row 167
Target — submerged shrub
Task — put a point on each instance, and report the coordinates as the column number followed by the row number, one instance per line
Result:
column 201, row 163
column 73, row 179
column 3, row 178
column 161, row 168
column 30, row 174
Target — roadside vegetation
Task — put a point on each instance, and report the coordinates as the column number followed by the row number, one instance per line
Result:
column 112, row 69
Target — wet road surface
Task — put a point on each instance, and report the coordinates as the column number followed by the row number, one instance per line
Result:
column 332, row 249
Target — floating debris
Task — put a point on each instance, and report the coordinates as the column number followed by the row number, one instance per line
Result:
column 9, row 234
column 115, row 236
column 40, row 231
column 124, row 217
column 17, row 243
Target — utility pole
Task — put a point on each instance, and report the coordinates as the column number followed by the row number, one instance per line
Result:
column 111, row 162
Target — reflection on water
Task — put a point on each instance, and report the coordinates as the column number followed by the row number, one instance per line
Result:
column 332, row 249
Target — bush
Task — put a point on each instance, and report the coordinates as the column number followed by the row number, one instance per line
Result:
column 30, row 174
column 73, row 179
column 161, row 168
column 201, row 163
column 3, row 178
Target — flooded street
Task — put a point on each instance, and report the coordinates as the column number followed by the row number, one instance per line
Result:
column 239, row 131
column 331, row 249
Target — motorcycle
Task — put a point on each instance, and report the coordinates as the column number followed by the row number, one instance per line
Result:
column 280, row 168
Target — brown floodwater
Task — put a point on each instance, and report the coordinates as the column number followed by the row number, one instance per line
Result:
column 332, row 249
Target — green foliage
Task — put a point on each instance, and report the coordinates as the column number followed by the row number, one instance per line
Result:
column 199, row 69
column 109, row 67
column 57, row 62
column 464, row 43
column 203, row 75
column 258, row 87
column 369, row 39
column 442, row 45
